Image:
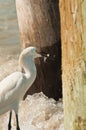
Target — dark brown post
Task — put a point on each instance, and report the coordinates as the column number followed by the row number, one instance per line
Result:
column 39, row 26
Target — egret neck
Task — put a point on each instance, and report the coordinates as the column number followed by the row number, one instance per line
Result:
column 28, row 65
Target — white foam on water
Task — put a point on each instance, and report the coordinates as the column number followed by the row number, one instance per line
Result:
column 37, row 112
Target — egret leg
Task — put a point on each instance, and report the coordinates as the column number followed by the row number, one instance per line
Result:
column 17, row 122
column 9, row 124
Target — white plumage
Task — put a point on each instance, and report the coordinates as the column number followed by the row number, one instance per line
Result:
column 14, row 86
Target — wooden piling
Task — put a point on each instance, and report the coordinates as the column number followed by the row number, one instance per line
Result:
column 39, row 26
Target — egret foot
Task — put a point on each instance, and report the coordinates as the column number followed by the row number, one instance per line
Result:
column 18, row 128
column 9, row 127
column 17, row 122
column 9, row 124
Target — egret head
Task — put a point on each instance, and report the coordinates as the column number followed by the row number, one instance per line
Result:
column 31, row 51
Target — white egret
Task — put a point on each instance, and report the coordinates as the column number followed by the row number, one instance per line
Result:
column 14, row 86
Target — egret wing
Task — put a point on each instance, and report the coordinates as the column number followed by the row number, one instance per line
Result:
column 8, row 88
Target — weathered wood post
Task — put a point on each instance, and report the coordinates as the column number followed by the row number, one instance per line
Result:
column 39, row 26
column 73, row 30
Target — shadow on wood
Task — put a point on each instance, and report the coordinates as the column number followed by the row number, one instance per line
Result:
column 49, row 73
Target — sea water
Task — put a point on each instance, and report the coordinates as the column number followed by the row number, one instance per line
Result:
column 9, row 33
column 37, row 112
column 9, row 38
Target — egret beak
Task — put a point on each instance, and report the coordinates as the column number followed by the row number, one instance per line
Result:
column 42, row 54
column 38, row 55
